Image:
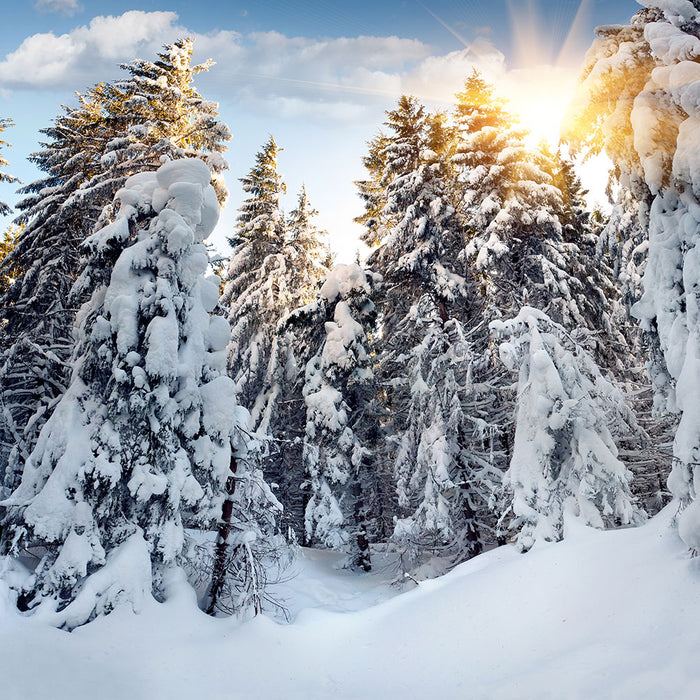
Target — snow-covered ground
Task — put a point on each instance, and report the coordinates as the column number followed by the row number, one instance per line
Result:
column 601, row 615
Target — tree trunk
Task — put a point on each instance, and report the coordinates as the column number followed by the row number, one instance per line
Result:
column 220, row 556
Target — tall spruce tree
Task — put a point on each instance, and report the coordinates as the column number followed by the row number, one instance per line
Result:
column 564, row 456
column 511, row 209
column 312, row 258
column 439, row 461
column 645, row 120
column 141, row 442
column 275, row 267
column 341, row 420
column 114, row 131
column 257, row 292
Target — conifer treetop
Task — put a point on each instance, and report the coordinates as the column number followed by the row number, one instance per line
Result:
column 4, row 176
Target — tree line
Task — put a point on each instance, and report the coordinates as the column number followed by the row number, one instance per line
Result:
column 480, row 375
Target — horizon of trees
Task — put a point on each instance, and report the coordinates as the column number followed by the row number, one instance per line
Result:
column 478, row 376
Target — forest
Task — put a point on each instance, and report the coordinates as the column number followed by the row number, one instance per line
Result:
column 504, row 359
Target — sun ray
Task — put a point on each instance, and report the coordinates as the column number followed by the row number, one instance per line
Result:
column 450, row 29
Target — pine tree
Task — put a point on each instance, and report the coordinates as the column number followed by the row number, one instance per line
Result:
column 645, row 121
column 510, row 208
column 114, row 131
column 341, row 426
column 275, row 267
column 425, row 361
column 257, row 292
column 312, row 257
column 141, row 441
column 564, row 457
column 5, row 177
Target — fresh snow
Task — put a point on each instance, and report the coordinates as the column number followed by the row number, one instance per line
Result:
column 612, row 614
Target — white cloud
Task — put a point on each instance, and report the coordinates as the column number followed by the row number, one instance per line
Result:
column 67, row 7
column 322, row 78
column 87, row 54
column 438, row 78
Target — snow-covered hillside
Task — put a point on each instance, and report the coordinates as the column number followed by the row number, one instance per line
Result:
column 611, row 614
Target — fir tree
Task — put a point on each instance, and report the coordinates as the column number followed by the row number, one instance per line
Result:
column 564, row 457
column 645, row 122
column 424, row 359
column 257, row 292
column 141, row 441
column 341, row 426
column 275, row 267
column 4, row 176
column 312, row 257
column 114, row 131
column 509, row 204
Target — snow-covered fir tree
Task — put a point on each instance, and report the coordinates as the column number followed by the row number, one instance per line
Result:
column 511, row 210
column 312, row 258
column 564, row 457
column 436, row 441
column 257, row 292
column 5, row 176
column 275, row 267
column 142, row 440
column 341, row 421
column 115, row 130
column 531, row 240
column 649, row 132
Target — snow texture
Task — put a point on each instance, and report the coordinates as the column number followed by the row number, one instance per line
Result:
column 141, row 440
column 564, row 457
column 578, row 619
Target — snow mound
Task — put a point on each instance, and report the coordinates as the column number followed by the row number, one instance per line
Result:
column 602, row 614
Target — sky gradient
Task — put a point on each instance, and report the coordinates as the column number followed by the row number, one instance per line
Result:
column 316, row 75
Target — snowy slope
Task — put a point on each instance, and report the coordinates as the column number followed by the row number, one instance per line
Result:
column 601, row 615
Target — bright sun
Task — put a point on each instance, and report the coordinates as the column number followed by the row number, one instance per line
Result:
column 540, row 97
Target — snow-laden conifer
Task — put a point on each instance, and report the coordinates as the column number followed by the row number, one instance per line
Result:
column 258, row 291
column 649, row 130
column 311, row 256
column 115, row 130
column 564, row 457
column 142, row 440
column 511, row 209
column 275, row 267
column 437, row 442
column 341, row 427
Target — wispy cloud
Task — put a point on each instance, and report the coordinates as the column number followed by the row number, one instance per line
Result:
column 323, row 78
column 67, row 7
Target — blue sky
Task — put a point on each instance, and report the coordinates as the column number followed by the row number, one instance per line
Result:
column 316, row 75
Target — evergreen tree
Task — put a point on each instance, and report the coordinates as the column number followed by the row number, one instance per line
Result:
column 257, row 292
column 341, row 426
column 510, row 208
column 5, row 177
column 647, row 129
column 425, row 362
column 114, row 131
column 564, row 457
column 275, row 267
column 312, row 258
column 141, row 441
